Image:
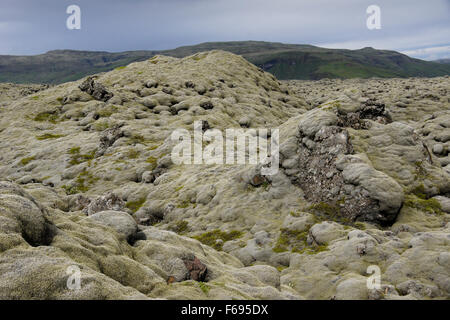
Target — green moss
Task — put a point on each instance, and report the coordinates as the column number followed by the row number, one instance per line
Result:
column 120, row 68
column 315, row 249
column 204, row 287
column 179, row 188
column 265, row 185
column 101, row 125
column 184, row 204
column 211, row 238
column 154, row 147
column 289, row 239
column 359, row 225
column 35, row 98
column 74, row 150
column 431, row 206
column 198, row 57
column 137, row 139
column 132, row 154
column 27, row 160
column 82, row 183
column 152, row 161
column 179, row 227
column 419, row 191
column 77, row 158
column 107, row 111
column 47, row 136
column 49, row 116
column 324, row 208
column 135, row 205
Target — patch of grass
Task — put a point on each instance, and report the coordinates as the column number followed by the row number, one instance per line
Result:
column 27, row 160
column 431, row 206
column 204, row 287
column 74, row 150
column 265, row 185
column 47, row 136
column 419, row 191
column 184, row 204
column 77, row 158
column 210, row 238
column 154, row 147
column 35, row 98
column 420, row 169
column 313, row 250
column 82, row 184
column 120, row 68
column 137, row 139
column 47, row 116
column 179, row 227
column 359, row 225
column 132, row 154
column 152, row 161
column 198, row 57
column 107, row 111
column 101, row 125
column 323, row 207
column 290, row 239
column 135, row 205
column 281, row 268
column 324, row 211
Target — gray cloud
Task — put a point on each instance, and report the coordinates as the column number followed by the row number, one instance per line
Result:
column 30, row 27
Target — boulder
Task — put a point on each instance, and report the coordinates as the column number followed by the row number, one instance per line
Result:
column 120, row 221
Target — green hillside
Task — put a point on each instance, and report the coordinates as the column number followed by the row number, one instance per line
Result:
column 285, row 61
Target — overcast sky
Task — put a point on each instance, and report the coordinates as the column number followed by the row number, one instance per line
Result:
column 419, row 28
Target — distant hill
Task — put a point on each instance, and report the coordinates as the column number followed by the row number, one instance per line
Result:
column 285, row 61
column 442, row 61
column 60, row 66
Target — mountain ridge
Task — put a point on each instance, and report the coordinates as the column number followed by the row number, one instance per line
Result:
column 285, row 61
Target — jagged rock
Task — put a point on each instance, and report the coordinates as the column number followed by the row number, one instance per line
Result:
column 78, row 202
column 95, row 89
column 107, row 202
column 107, row 139
column 196, row 269
column 352, row 190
